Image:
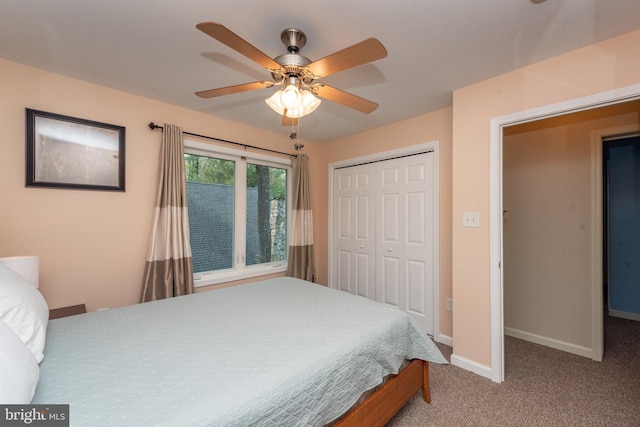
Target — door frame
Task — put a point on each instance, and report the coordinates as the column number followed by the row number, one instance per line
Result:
column 496, row 124
column 432, row 146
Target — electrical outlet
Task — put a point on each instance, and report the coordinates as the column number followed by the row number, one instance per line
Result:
column 449, row 304
column 470, row 219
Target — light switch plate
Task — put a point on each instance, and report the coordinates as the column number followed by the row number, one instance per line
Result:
column 471, row 219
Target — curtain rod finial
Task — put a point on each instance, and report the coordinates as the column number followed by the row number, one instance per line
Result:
column 153, row 126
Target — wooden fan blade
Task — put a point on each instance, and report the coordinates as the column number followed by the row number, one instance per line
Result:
column 237, row 43
column 345, row 98
column 360, row 53
column 288, row 121
column 211, row 93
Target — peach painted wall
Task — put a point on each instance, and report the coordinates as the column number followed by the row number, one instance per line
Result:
column 614, row 63
column 93, row 244
column 421, row 129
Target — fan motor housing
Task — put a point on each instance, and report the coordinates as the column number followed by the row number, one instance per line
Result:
column 292, row 62
column 293, row 39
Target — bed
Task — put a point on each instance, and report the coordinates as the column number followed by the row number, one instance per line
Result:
column 277, row 352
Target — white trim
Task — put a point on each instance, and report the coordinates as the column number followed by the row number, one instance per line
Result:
column 436, row 239
column 597, row 300
column 549, row 342
column 470, row 365
column 495, row 198
column 239, row 244
column 495, row 252
column 216, row 278
column 204, row 148
column 624, row 315
column 386, row 155
column 444, row 339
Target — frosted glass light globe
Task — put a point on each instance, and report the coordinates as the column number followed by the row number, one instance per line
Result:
column 290, row 97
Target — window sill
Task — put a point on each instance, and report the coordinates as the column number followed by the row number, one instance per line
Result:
column 230, row 276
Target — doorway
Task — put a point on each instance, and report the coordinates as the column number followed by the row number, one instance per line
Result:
column 621, row 215
column 547, row 235
column 552, row 225
column 497, row 124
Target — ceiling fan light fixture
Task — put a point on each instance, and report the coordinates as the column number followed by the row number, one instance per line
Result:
column 274, row 102
column 290, row 96
column 308, row 104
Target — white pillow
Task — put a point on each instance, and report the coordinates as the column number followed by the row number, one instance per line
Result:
column 24, row 310
column 18, row 369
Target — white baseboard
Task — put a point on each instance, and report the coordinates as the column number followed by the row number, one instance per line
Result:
column 624, row 315
column 444, row 339
column 549, row 342
column 470, row 365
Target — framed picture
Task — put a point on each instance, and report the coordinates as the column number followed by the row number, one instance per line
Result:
column 67, row 152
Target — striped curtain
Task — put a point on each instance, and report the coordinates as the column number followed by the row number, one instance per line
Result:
column 301, row 260
column 169, row 266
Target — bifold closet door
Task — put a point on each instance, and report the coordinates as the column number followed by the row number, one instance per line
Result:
column 405, row 236
column 384, row 228
column 354, row 223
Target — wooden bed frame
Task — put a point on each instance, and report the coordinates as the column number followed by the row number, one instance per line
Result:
column 386, row 401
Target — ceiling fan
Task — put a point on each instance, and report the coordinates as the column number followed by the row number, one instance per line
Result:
column 297, row 74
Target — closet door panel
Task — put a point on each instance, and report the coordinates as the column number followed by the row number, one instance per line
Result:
column 416, row 292
column 415, row 218
column 390, row 219
column 390, row 290
column 363, row 274
column 389, row 232
column 419, row 241
column 344, row 270
column 344, row 217
column 354, row 216
column 406, row 233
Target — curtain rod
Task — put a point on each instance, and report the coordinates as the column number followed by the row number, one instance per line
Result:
column 154, row 126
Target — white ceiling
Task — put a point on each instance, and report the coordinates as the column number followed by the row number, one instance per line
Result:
column 152, row 48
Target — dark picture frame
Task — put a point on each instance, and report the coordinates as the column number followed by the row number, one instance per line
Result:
column 68, row 152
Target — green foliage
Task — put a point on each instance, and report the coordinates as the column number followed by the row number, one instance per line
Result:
column 218, row 171
column 277, row 180
column 209, row 169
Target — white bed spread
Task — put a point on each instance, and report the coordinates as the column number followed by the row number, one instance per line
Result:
column 280, row 352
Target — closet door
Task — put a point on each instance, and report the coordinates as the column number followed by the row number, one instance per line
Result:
column 405, row 236
column 354, row 222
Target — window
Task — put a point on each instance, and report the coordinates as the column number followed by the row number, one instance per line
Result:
column 238, row 213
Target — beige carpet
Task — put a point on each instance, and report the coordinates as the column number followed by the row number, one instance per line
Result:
column 543, row 387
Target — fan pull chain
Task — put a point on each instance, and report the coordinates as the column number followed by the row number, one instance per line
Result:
column 295, row 134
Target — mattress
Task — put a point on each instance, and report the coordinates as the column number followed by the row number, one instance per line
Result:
column 277, row 352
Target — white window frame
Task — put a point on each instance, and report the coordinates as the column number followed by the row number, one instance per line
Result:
column 240, row 270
